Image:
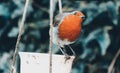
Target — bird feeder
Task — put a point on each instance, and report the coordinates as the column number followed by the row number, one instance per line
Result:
column 39, row 63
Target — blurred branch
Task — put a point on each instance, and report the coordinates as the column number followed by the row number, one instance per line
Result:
column 60, row 6
column 50, row 32
column 41, row 8
column 110, row 68
column 21, row 28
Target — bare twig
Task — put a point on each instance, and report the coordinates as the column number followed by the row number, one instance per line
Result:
column 19, row 36
column 50, row 32
column 60, row 6
column 110, row 68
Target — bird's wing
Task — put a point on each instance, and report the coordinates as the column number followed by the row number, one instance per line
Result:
column 59, row 18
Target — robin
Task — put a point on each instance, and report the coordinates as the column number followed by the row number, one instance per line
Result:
column 66, row 30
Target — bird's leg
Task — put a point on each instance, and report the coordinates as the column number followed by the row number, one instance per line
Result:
column 66, row 55
column 72, row 50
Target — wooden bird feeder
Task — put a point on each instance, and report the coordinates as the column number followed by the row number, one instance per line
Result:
column 39, row 63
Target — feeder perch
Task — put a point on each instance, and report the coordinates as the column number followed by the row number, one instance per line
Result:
column 39, row 63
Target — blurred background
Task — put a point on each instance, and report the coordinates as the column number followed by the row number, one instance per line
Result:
column 95, row 49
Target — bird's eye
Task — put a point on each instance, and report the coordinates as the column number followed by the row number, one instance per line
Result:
column 75, row 13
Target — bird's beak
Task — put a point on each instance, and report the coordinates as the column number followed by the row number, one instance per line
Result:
column 83, row 17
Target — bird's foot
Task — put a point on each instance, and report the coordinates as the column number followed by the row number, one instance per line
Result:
column 67, row 57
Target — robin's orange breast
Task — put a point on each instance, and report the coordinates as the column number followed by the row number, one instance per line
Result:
column 70, row 28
